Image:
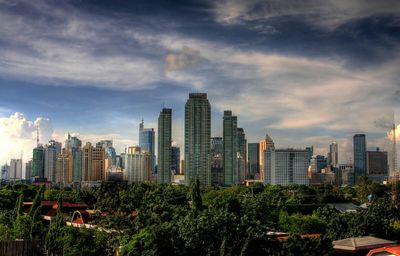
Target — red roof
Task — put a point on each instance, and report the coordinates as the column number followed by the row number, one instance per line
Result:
column 395, row 250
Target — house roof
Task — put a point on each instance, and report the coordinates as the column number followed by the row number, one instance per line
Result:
column 360, row 243
column 386, row 250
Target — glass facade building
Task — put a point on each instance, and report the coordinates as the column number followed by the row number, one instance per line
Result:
column 360, row 161
column 230, row 145
column 164, row 146
column 197, row 139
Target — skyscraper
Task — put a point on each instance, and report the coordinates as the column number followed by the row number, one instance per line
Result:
column 197, row 139
column 164, row 146
column 93, row 163
column 110, row 151
column 230, row 145
column 217, row 146
column 253, row 160
column 138, row 165
column 76, row 164
column 38, row 162
column 146, row 138
column 50, row 162
column 15, row 171
column 265, row 144
column 333, row 155
column 242, row 154
column 72, row 142
column 360, row 161
column 64, row 167
column 318, row 163
column 28, row 170
column 175, row 160
column 286, row 166
column 377, row 165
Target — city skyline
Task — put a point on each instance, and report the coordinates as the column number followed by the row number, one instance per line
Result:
column 97, row 70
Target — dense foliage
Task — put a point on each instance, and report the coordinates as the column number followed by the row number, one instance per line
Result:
column 149, row 219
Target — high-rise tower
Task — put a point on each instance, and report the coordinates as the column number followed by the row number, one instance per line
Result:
column 360, row 157
column 265, row 144
column 197, row 139
column 164, row 146
column 230, row 145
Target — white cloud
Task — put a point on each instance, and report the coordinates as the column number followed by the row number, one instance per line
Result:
column 326, row 13
column 17, row 134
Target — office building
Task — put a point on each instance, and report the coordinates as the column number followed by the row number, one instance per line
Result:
column 64, row 168
column 197, row 139
column 230, row 145
column 175, row 160
column 377, row 165
column 15, row 170
column 109, row 150
column 318, row 163
column 146, row 139
column 346, row 174
column 265, row 144
column 360, row 155
column 286, row 166
column 138, row 165
column 253, row 160
column 5, row 172
column 217, row 146
column 28, row 170
column 333, row 155
column 164, row 146
column 76, row 164
column 72, row 142
column 242, row 154
column 93, row 163
column 38, row 162
column 50, row 161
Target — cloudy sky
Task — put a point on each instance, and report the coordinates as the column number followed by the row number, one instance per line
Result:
column 305, row 72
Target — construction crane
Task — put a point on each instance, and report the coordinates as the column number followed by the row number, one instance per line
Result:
column 396, row 173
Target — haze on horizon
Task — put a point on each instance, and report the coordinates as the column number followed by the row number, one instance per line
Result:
column 306, row 73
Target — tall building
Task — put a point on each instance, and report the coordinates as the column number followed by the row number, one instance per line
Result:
column 164, row 146
column 286, row 166
column 138, row 165
column 197, row 139
column 175, row 160
column 93, row 163
column 76, row 164
column 110, row 151
column 5, row 172
column 217, row 146
column 242, row 154
column 146, row 138
column 28, row 170
column 38, row 162
column 333, row 155
column 50, row 161
column 253, row 160
column 360, row 155
column 318, row 163
column 230, row 142
column 346, row 173
column 64, row 168
column 217, row 170
column 15, row 171
column 265, row 144
column 72, row 142
column 377, row 165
